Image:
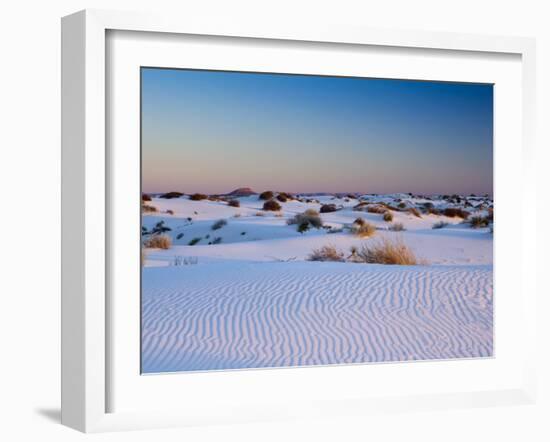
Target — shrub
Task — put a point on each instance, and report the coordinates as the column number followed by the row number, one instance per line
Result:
column 180, row 236
column 217, row 240
column 234, row 203
column 272, row 205
column 327, row 208
column 282, row 198
column 401, row 205
column 198, row 197
column 385, row 251
column 376, row 208
column 309, row 217
column 414, row 211
column 326, row 253
column 148, row 209
column 359, row 221
column 194, row 241
column 170, row 195
column 363, row 230
column 170, row 212
column 145, row 197
column 219, row 224
column 479, row 221
column 267, row 195
column 388, row 217
column 159, row 242
column 396, row 227
column 453, row 212
column 303, row 227
column 440, row 225
column 433, row 211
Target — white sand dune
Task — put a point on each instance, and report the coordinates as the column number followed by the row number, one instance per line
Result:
column 236, row 314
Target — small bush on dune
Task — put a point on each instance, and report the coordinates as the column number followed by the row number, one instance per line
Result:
column 145, row 197
column 363, row 230
column 234, row 203
column 159, row 242
column 326, row 253
column 433, row 211
column 272, row 205
column 396, row 227
column 170, row 212
column 148, row 209
column 401, row 205
column 219, row 224
column 440, row 225
column 198, row 197
column 385, row 251
column 194, row 241
column 388, row 217
column 170, row 195
column 453, row 212
column 479, row 221
column 327, row 208
column 359, row 221
column 267, row 195
column 309, row 217
column 376, row 208
column 414, row 211
column 282, row 198
column 303, row 227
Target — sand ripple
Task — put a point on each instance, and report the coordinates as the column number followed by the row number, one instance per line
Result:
column 241, row 315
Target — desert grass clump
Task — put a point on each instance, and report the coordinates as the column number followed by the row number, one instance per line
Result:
column 388, row 216
column 440, row 225
column 145, row 197
column 386, row 251
column 396, row 227
column 234, row 203
column 267, row 195
column 453, row 212
column 479, row 221
column 145, row 208
column 308, row 218
column 376, row 208
column 326, row 253
column 219, row 224
column 327, row 208
column 170, row 212
column 159, row 242
column 198, row 197
column 282, row 197
column 362, row 229
column 272, row 205
column 414, row 211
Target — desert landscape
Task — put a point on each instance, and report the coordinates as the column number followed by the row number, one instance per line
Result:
column 271, row 279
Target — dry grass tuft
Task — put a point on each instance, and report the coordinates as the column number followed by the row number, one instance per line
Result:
column 414, row 211
column 440, row 225
column 396, row 227
column 388, row 217
column 386, row 251
column 170, row 195
column 376, row 208
column 159, row 242
column 145, row 208
column 362, row 229
column 145, row 197
column 326, row 253
column 234, row 203
column 453, row 212
column 479, row 221
column 327, row 208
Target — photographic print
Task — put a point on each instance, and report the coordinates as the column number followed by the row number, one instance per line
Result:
column 305, row 220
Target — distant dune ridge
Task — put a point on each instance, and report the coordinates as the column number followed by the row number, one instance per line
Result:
column 242, row 191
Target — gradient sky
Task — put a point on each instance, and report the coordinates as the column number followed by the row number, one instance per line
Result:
column 211, row 132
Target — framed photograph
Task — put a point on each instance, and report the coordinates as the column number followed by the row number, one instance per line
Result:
column 264, row 224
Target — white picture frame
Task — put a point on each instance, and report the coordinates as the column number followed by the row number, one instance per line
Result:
column 86, row 315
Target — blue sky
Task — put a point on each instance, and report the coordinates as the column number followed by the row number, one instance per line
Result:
column 213, row 131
